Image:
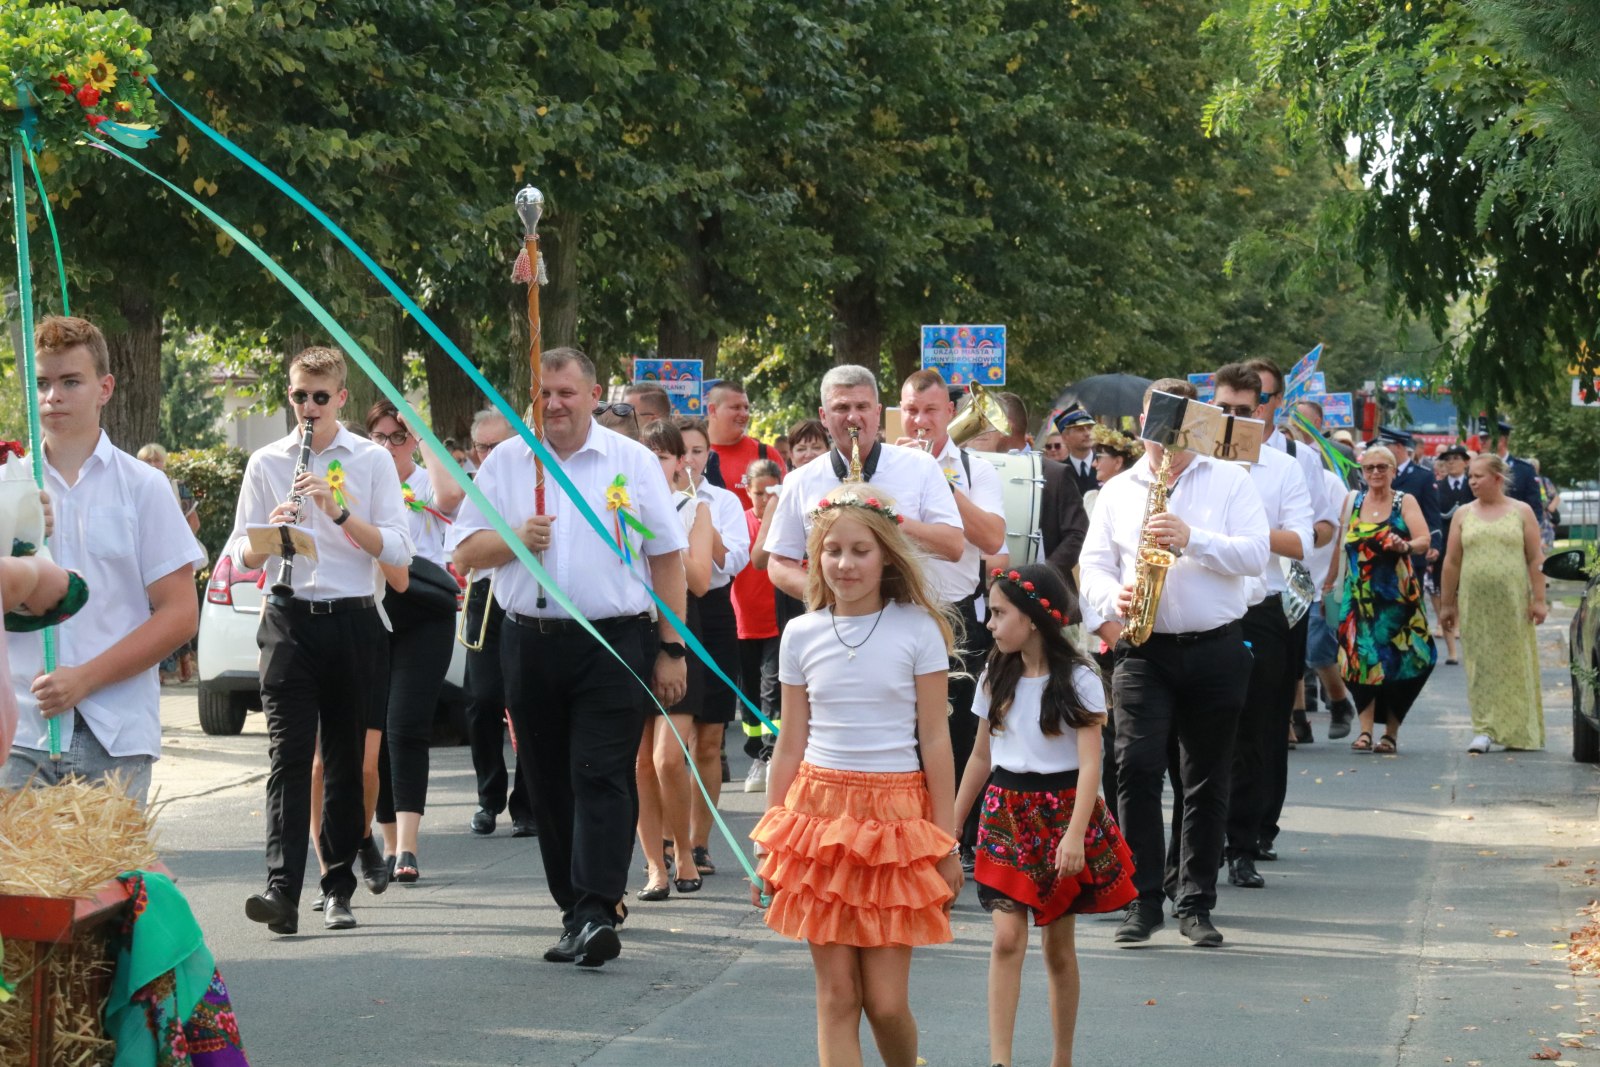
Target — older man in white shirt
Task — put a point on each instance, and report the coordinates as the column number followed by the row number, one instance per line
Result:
column 1189, row 679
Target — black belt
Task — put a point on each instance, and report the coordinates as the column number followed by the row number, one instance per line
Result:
column 571, row 626
column 1193, row 637
column 323, row 607
column 1034, row 781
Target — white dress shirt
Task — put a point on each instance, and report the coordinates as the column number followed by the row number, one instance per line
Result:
column 728, row 517
column 959, row 579
column 909, row 476
column 1081, row 468
column 1311, row 467
column 428, row 531
column 1209, row 585
column 120, row 528
column 372, row 493
column 1333, row 491
column 1287, row 504
column 585, row 567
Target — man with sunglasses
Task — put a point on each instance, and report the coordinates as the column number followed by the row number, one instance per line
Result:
column 324, row 652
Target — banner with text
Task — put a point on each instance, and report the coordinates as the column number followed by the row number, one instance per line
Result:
column 966, row 354
column 683, row 379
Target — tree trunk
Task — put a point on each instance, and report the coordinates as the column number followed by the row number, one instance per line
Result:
column 452, row 398
column 558, row 302
column 906, row 356
column 385, row 341
column 682, row 332
column 133, row 416
column 858, row 324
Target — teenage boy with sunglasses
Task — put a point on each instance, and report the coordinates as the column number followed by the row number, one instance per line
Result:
column 324, row 653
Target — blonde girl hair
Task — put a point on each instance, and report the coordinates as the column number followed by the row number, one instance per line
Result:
column 1493, row 464
column 903, row 577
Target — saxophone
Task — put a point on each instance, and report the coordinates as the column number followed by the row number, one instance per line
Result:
column 855, row 455
column 1152, row 562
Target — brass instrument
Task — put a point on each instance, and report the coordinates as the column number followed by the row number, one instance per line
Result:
column 1151, row 563
column 855, row 455
column 284, row 586
column 474, row 644
column 980, row 416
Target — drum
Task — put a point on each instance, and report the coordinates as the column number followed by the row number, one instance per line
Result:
column 1021, row 491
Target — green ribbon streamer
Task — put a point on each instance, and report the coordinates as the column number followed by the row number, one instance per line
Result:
column 1342, row 464
column 414, row 420
column 512, row 415
column 49, row 217
column 30, row 374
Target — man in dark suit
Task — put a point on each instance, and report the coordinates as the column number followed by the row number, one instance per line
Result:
column 1453, row 490
column 1417, row 480
column 1523, row 484
column 1076, row 427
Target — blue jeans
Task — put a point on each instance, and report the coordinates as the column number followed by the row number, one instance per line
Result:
column 86, row 759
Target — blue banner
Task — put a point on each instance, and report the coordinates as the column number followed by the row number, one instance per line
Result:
column 966, row 354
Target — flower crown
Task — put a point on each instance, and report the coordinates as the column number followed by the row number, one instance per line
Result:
column 1027, row 587
column 870, row 503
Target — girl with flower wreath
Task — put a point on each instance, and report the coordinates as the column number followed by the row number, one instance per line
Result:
column 1042, row 704
column 858, row 847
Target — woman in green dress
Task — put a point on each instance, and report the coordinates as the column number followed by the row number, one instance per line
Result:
column 1385, row 647
column 1493, row 585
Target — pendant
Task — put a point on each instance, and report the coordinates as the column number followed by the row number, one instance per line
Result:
column 852, row 653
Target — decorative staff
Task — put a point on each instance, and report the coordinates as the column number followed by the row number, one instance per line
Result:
column 529, row 269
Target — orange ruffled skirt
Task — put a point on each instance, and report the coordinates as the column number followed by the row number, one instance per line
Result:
column 852, row 860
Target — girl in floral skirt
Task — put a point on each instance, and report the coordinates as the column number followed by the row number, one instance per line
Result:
column 858, row 849
column 1038, row 752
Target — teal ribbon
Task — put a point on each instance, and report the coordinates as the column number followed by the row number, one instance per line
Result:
column 1341, row 463
column 512, row 416
column 30, row 375
column 417, row 423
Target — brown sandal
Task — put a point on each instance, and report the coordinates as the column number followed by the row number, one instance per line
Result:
column 1386, row 746
column 1363, row 741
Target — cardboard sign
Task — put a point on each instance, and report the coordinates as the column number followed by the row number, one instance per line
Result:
column 966, row 354
column 683, row 379
column 1180, row 423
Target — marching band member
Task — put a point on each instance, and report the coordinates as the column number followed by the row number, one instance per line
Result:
column 324, row 652
column 578, row 718
column 1189, row 679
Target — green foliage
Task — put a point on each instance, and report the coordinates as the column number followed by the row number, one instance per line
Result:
column 214, row 475
column 191, row 404
column 1565, row 439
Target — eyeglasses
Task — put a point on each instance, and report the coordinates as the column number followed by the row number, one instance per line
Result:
column 1266, row 398
column 398, row 438
column 620, row 409
column 1057, row 447
column 320, row 397
column 1370, row 467
column 484, row 448
column 1244, row 411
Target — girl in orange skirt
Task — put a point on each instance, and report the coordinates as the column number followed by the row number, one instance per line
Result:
column 858, row 849
column 1046, row 843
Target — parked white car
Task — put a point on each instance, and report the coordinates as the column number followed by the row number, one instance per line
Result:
column 230, row 681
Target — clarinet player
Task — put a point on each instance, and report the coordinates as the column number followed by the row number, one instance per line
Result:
column 1188, row 680
column 324, row 656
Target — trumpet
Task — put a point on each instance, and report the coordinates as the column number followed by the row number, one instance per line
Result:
column 284, row 586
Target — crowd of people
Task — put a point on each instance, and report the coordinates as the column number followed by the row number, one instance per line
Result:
column 917, row 704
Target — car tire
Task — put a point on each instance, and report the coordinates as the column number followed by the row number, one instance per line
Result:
column 1585, row 738
column 222, row 712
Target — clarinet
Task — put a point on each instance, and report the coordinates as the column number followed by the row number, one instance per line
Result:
column 284, row 586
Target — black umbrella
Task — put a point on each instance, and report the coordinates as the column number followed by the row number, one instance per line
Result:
column 1106, row 396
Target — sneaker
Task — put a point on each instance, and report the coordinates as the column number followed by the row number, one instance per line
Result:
column 1140, row 921
column 1480, row 745
column 1198, row 929
column 969, row 860
column 1343, row 713
column 756, row 780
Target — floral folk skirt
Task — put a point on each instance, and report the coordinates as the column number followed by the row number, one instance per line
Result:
column 852, row 859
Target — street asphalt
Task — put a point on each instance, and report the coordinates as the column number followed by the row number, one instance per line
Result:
column 1418, row 915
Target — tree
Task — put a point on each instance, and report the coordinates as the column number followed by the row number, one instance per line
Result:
column 191, row 404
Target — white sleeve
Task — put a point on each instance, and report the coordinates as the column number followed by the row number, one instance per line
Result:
column 1298, row 513
column 388, row 511
column 730, row 521
column 980, row 698
column 165, row 542
column 1100, row 563
column 1091, row 691
column 788, row 534
column 986, row 492
column 929, row 652
column 470, row 518
column 1240, row 548
column 255, row 504
column 938, row 503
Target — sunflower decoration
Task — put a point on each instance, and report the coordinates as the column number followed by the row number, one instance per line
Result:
column 75, row 72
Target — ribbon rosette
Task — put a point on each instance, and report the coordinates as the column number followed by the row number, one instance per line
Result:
column 336, row 483
column 618, row 502
column 409, row 495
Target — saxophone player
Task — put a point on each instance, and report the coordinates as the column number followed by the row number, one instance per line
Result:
column 324, row 653
column 1186, row 683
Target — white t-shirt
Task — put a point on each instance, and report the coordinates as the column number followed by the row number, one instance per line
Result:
column 428, row 530
column 1020, row 746
column 863, row 710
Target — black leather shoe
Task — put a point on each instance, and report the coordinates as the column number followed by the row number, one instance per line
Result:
column 1302, row 727
column 1242, row 873
column 483, row 822
column 374, row 868
column 336, row 913
column 596, row 943
column 1267, row 854
column 1343, row 714
column 1143, row 918
column 275, row 909
column 563, row 951
column 316, row 905
column 1198, row 929
column 520, row 828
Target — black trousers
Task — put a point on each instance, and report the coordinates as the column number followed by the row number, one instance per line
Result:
column 578, row 720
column 486, row 722
column 758, row 677
column 1107, row 662
column 1261, row 750
column 970, row 659
column 1278, row 764
column 420, row 645
column 1186, row 695
column 318, row 672
column 718, row 631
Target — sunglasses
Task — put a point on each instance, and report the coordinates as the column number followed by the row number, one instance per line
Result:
column 321, row 397
column 1244, row 411
column 1266, row 398
column 1057, row 447
column 1369, row 467
column 620, row 409
column 398, row 438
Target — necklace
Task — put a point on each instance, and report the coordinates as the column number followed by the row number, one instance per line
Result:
column 834, row 619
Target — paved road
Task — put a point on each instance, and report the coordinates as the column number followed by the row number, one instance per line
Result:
column 1416, row 917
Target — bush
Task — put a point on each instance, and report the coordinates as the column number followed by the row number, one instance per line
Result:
column 214, row 475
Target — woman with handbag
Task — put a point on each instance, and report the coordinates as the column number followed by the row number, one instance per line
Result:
column 421, row 639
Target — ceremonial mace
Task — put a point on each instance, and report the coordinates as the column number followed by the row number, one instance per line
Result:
column 529, row 269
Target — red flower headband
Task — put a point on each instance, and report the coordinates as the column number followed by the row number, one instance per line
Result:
column 871, row 503
column 1015, row 579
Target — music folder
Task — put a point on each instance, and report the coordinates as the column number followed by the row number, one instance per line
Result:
column 279, row 540
column 1191, row 426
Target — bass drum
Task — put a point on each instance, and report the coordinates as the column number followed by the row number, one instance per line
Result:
column 1022, row 492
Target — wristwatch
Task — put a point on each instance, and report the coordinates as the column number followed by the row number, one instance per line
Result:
column 344, row 513
column 674, row 649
